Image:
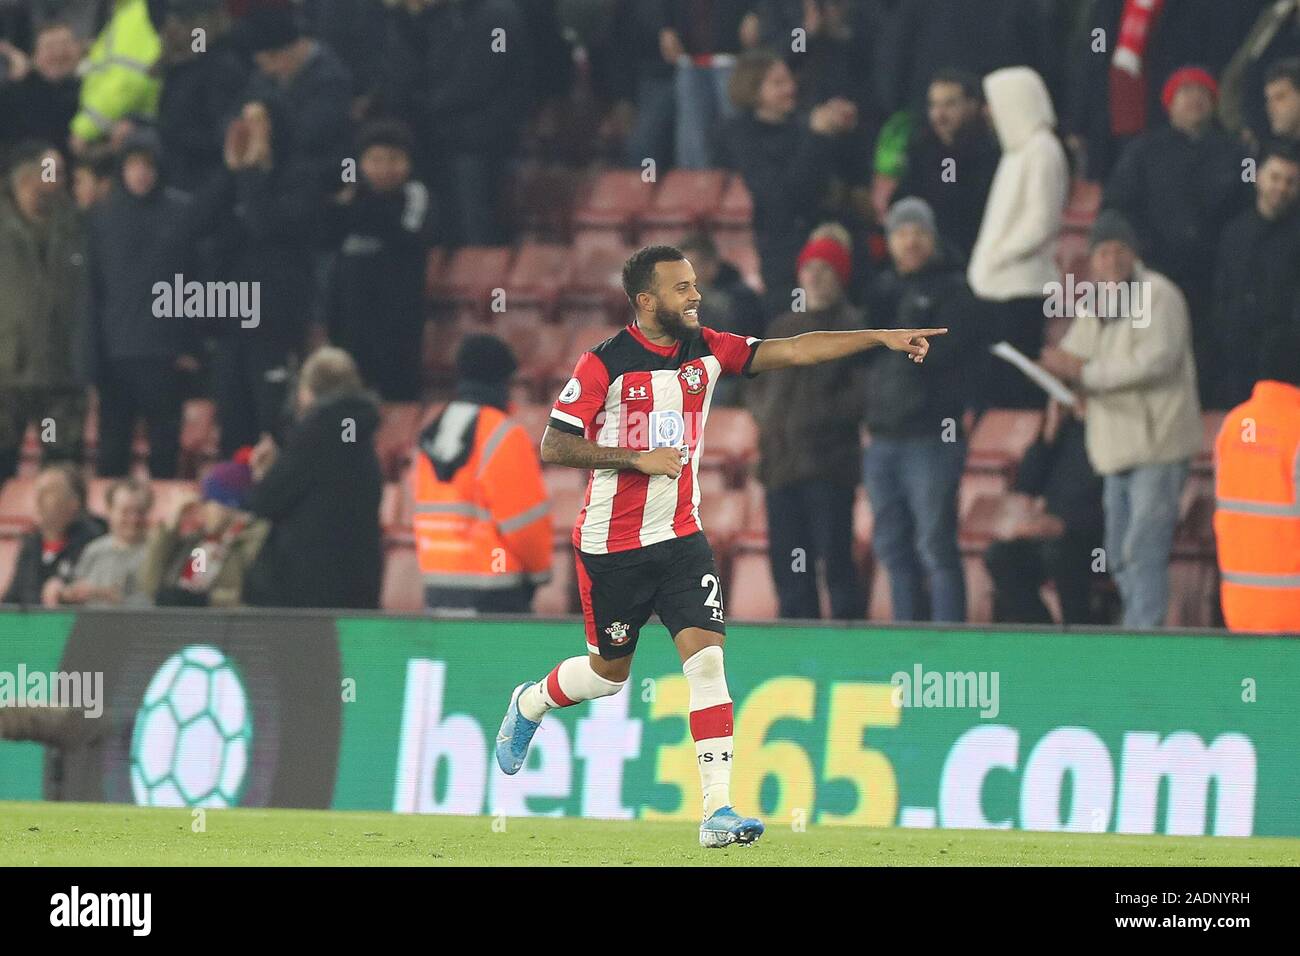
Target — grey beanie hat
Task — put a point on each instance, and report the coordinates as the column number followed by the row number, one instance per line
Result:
column 910, row 210
column 1111, row 224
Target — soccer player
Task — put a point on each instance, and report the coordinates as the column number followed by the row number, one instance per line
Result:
column 633, row 413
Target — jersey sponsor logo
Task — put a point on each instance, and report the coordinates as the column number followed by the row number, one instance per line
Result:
column 668, row 430
column 617, row 633
column 572, row 389
column 635, row 392
column 694, row 377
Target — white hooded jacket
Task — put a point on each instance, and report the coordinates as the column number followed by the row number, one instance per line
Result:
column 1014, row 255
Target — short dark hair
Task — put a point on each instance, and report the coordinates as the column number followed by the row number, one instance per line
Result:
column 970, row 84
column 1288, row 69
column 97, row 157
column 1278, row 149
column 27, row 152
column 639, row 270
column 386, row 132
column 1279, row 354
column 700, row 242
column 747, row 78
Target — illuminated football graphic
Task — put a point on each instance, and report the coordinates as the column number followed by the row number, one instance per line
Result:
column 193, row 733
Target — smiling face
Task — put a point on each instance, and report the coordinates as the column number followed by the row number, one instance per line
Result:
column 674, row 298
column 126, row 515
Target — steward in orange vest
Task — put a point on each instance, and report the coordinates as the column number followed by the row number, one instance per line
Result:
column 1257, row 497
column 482, row 516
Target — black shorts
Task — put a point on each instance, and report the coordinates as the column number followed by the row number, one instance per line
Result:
column 676, row 579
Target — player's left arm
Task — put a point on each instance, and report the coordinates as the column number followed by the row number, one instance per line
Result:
column 813, row 348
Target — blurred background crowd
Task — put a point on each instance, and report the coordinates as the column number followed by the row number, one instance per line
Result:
column 225, row 227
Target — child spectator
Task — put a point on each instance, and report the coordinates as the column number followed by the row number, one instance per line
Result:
column 108, row 570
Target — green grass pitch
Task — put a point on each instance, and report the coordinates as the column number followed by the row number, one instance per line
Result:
column 63, row 834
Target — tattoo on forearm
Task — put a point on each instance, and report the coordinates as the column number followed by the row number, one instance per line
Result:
column 561, row 448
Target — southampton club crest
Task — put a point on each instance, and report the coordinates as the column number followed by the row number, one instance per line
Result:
column 693, row 376
column 617, row 633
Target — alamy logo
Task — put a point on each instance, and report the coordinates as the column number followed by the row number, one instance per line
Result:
column 134, row 910
column 1106, row 300
column 208, row 300
column 76, row 690
column 923, row 688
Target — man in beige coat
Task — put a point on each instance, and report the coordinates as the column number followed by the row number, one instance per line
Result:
column 1129, row 353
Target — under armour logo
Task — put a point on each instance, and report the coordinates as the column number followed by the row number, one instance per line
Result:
column 717, row 614
column 636, row 391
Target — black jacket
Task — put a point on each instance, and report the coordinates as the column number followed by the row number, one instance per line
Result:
column 314, row 106
column 1179, row 193
column 322, row 499
column 35, row 108
column 1256, row 288
column 788, row 169
column 903, row 399
column 375, row 305
column 958, row 203
column 32, row 570
column 133, row 243
column 199, row 97
column 442, row 76
column 1061, row 473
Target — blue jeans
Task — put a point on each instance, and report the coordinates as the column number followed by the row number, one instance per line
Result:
column 1141, row 513
column 912, row 484
column 656, row 109
column 702, row 106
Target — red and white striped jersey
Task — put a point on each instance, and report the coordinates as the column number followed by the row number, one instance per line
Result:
column 628, row 392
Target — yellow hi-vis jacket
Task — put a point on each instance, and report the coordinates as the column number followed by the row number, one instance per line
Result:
column 115, row 74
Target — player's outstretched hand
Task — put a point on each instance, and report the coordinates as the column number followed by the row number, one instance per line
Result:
column 661, row 461
column 914, row 342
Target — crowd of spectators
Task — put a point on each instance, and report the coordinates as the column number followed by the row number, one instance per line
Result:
column 200, row 194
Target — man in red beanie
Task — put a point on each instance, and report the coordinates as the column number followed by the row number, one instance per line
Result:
column 1178, row 186
column 808, row 444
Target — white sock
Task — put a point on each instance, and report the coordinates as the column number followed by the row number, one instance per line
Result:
column 569, row 682
column 711, row 719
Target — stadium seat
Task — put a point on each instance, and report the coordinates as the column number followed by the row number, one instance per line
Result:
column 472, row 274
column 399, row 424
column 977, row 484
column 738, row 249
column 980, row 522
column 561, row 476
column 755, row 513
column 539, row 347
column 684, row 202
column 735, row 211
column 730, row 438
column 1083, row 203
column 580, row 339
column 541, row 200
column 750, row 593
column 565, row 505
column 533, row 418
column 1211, row 422
column 402, row 590
column 539, row 273
column 559, row 596
column 1000, row 439
column 614, row 205
column 597, row 278
column 723, row 512
column 17, row 505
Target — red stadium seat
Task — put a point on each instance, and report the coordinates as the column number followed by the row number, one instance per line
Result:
column 472, row 275
column 615, row 204
column 730, row 438
column 1000, row 439
column 736, row 210
column 540, row 272
column 880, row 605
column 738, row 249
column 755, row 512
column 560, row 476
column 399, row 424
column 597, row 278
column 539, row 347
column 684, row 201
column 1082, row 206
column 402, row 587
column 559, row 596
column 750, row 594
column 17, row 505
column 979, row 484
column 723, row 512
column 542, row 199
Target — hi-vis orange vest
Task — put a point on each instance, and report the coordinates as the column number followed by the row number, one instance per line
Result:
column 488, row 526
column 1257, row 515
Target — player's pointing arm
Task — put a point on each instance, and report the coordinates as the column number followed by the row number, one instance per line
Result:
column 812, row 348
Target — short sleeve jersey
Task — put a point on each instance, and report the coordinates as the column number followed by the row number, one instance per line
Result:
column 628, row 392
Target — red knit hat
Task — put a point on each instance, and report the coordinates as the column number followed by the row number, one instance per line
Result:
column 830, row 252
column 1188, row 74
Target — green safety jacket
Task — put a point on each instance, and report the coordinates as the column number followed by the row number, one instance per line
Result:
column 116, row 80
